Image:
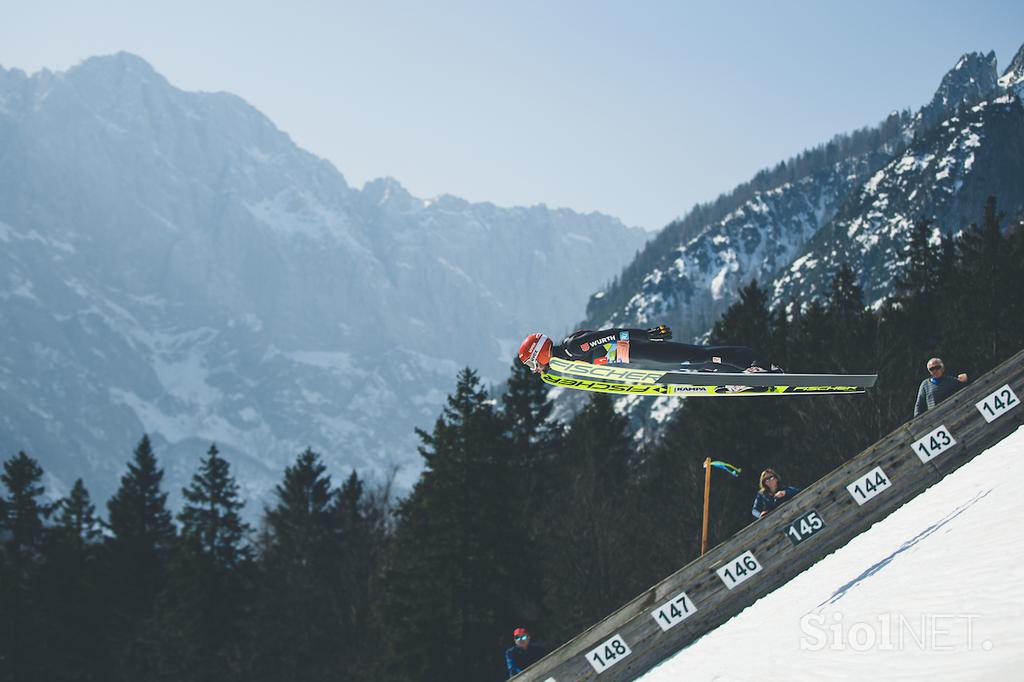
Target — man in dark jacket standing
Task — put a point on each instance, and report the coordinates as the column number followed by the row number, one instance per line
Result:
column 936, row 387
column 521, row 656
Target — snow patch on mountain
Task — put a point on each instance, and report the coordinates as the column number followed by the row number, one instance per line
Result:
column 751, row 242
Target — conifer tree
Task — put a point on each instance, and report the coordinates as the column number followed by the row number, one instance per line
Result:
column 1012, row 279
column 298, row 630
column 917, row 279
column 355, row 532
column 200, row 614
column 851, row 339
column 747, row 322
column 137, row 556
column 139, row 518
column 534, row 438
column 591, row 543
column 76, row 517
column 302, row 517
column 810, row 336
column 987, row 269
column 23, row 513
column 362, row 522
column 781, row 333
column 22, row 520
column 527, row 410
column 911, row 334
column 348, row 505
column 211, row 525
column 458, row 547
column 71, row 602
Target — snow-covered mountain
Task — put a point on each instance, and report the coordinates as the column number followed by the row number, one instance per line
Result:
column 791, row 229
column 752, row 242
column 170, row 262
column 971, row 80
column 945, row 175
column 1013, row 77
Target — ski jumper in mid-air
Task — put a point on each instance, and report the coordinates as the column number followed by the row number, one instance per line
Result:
column 649, row 348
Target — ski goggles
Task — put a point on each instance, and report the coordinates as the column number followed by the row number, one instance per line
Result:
column 522, row 638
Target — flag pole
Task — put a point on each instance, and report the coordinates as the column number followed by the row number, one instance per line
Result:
column 707, row 495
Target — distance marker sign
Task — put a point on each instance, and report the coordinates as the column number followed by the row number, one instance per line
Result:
column 869, row 485
column 933, row 444
column 997, row 404
column 804, row 527
column 739, row 569
column 673, row 612
column 608, row 654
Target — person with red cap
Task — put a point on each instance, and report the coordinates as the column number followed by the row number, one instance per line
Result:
column 522, row 654
column 650, row 348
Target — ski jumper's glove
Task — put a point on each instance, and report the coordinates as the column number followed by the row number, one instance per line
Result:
column 659, row 333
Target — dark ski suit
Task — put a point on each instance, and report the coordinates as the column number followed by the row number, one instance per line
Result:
column 624, row 346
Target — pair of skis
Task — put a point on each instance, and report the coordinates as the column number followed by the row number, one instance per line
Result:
column 630, row 380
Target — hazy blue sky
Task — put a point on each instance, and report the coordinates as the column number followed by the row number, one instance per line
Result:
column 637, row 109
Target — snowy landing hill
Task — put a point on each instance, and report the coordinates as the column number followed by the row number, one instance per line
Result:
column 172, row 263
column 935, row 591
column 853, row 200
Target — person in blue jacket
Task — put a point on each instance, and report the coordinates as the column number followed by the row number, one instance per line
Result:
column 771, row 493
column 937, row 387
column 522, row 654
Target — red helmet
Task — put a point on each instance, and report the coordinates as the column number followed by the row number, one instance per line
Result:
column 520, row 632
column 535, row 351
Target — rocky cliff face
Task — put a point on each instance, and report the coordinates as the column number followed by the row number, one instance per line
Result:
column 170, row 262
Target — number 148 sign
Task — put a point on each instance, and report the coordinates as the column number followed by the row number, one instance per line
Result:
column 608, row 653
